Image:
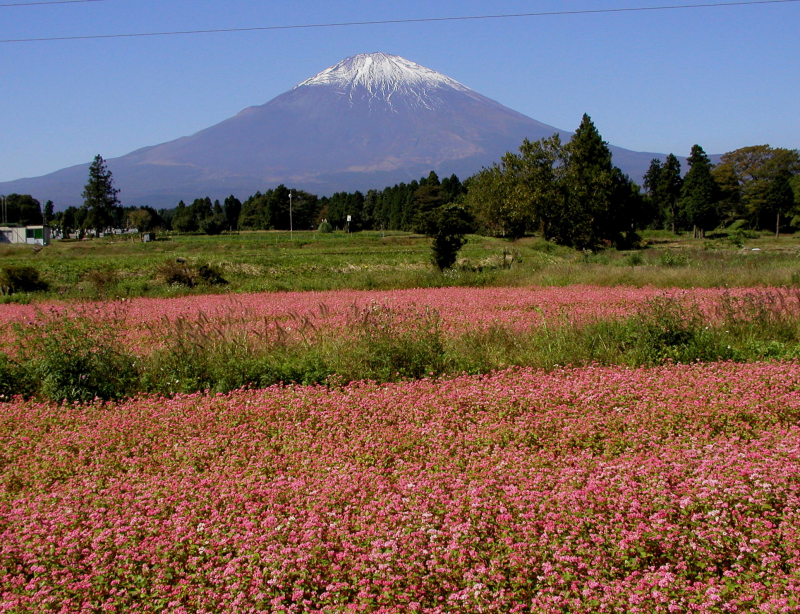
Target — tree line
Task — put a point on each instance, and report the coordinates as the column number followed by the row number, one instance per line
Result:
column 570, row 193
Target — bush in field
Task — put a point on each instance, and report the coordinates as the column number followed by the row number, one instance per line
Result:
column 211, row 275
column 20, row 279
column 212, row 226
column 78, row 359
column 103, row 277
column 181, row 273
column 325, row 227
column 447, row 226
column 14, row 379
column 396, row 344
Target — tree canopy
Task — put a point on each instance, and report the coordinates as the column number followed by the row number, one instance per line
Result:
column 100, row 199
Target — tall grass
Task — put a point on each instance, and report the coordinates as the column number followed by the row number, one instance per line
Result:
column 74, row 358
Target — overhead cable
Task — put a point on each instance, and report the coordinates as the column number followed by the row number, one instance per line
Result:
column 395, row 21
column 2, row 6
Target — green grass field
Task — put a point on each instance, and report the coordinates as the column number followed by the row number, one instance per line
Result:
column 272, row 261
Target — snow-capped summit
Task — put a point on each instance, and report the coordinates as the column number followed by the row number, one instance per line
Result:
column 370, row 121
column 383, row 76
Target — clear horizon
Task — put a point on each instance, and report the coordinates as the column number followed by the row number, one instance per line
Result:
column 657, row 81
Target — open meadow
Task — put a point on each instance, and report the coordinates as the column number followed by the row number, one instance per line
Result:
column 124, row 267
column 325, row 424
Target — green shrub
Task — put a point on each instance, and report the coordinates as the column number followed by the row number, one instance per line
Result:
column 325, row 227
column 669, row 329
column 634, row 259
column 212, row 226
column 671, row 259
column 102, row 278
column 76, row 358
column 209, row 274
column 14, row 379
column 394, row 344
column 20, row 279
column 181, row 273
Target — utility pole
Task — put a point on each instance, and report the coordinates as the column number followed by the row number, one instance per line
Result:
column 291, row 230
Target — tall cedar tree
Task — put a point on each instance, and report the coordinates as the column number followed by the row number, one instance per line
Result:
column 99, row 196
column 671, row 185
column 589, row 180
column 699, row 193
column 652, row 186
column 232, row 209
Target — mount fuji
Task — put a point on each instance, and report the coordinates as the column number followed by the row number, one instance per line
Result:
column 370, row 121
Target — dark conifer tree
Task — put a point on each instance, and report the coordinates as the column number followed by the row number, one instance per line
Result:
column 671, row 185
column 232, row 208
column 588, row 182
column 100, row 196
column 699, row 193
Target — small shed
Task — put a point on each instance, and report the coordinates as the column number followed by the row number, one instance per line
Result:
column 148, row 236
column 32, row 235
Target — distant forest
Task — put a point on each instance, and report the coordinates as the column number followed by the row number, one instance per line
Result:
column 569, row 193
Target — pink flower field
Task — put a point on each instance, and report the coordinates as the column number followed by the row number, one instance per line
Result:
column 671, row 489
column 459, row 308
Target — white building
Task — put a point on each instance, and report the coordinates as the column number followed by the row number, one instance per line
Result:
column 32, row 235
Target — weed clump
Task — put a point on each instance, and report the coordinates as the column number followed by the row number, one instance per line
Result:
column 20, row 279
column 181, row 273
column 77, row 358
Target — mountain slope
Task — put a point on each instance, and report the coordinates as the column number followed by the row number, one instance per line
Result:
column 370, row 121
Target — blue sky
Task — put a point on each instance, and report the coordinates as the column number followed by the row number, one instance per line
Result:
column 652, row 81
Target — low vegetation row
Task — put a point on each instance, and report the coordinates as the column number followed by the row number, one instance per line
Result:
column 115, row 267
column 67, row 356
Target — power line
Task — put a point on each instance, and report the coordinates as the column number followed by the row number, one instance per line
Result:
column 390, row 21
column 48, row 2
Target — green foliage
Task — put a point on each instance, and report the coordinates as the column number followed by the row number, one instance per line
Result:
column 672, row 259
column 489, row 200
column 325, row 227
column 699, row 193
column 20, row 279
column 100, row 200
column 232, row 209
column 393, row 345
column 213, row 225
column 183, row 219
column 780, row 198
column 667, row 329
column 144, row 219
column 447, row 225
column 14, row 379
column 182, row 273
column 23, row 209
column 572, row 193
column 663, row 183
column 77, row 358
column 747, row 174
